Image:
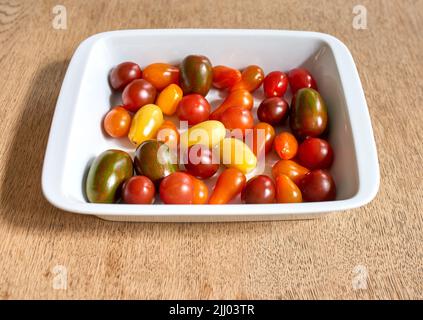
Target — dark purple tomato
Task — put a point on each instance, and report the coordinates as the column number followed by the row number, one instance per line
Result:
column 137, row 94
column 315, row 153
column 138, row 190
column 202, row 162
column 273, row 110
column 123, row 74
column 318, row 185
column 259, row 189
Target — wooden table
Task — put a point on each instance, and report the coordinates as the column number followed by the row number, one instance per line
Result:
column 373, row 252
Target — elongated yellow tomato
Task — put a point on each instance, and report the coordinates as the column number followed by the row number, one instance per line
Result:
column 169, row 99
column 236, row 154
column 145, row 124
column 209, row 133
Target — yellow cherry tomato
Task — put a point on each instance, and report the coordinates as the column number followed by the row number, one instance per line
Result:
column 209, row 133
column 169, row 99
column 236, row 154
column 145, row 124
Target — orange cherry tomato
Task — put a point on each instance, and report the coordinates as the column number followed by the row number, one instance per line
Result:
column 201, row 192
column 285, row 145
column 237, row 118
column 251, row 78
column 229, row 184
column 289, row 168
column 225, row 77
column 287, row 191
column 168, row 100
column 117, row 122
column 239, row 98
column 168, row 133
column 160, row 75
column 263, row 136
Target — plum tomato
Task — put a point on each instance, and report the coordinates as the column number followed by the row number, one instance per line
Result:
column 251, row 79
column 318, row 185
column 123, row 74
column 168, row 133
column 161, row 75
column 177, row 188
column 285, row 145
column 201, row 192
column 117, row 122
column 273, row 110
column 315, row 153
column 193, row 108
column 138, row 190
column 229, row 184
column 137, row 94
column 289, row 168
column 202, row 162
column 196, row 74
column 263, row 136
column 239, row 98
column 259, row 189
column 237, row 118
column 287, row 191
column 225, row 77
column 275, row 84
column 301, row 78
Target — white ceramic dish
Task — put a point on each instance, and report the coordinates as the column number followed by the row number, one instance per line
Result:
column 76, row 136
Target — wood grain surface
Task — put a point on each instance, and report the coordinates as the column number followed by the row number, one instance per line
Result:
column 382, row 243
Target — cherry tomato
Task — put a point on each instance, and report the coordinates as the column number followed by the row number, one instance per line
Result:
column 237, row 118
column 169, row 99
column 123, row 74
column 287, row 191
column 273, row 110
column 225, row 77
column 202, row 161
column 117, row 122
column 161, row 75
column 300, row 78
column 138, row 190
column 289, row 168
column 137, row 94
column 201, row 192
column 193, row 108
column 285, row 145
column 259, row 189
column 263, row 136
column 229, row 184
column 177, row 188
column 251, row 78
column 275, row 84
column 239, row 98
column 168, row 133
column 318, row 185
column 315, row 153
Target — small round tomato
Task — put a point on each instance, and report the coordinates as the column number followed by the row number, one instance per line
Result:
column 177, row 188
column 193, row 108
column 251, row 78
column 259, row 189
column 275, row 84
column 318, row 185
column 285, row 145
column 225, row 77
column 161, row 75
column 289, row 168
column 202, row 161
column 123, row 74
column 237, row 118
column 263, row 136
column 137, row 94
column 273, row 110
column 168, row 133
column 315, row 153
column 201, row 192
column 117, row 122
column 300, row 78
column 287, row 191
column 138, row 190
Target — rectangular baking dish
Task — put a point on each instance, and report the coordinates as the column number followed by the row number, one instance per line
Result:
column 76, row 137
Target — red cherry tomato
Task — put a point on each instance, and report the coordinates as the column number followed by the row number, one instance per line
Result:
column 202, row 161
column 137, row 94
column 285, row 145
column 315, row 153
column 138, row 190
column 275, row 84
column 300, row 78
column 273, row 110
column 225, row 77
column 259, row 189
column 318, row 185
column 237, row 118
column 263, row 139
column 193, row 108
column 177, row 188
column 123, row 74
column 251, row 78
column 117, row 122
column 229, row 184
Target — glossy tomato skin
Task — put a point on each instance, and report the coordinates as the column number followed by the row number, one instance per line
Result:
column 251, row 79
column 225, row 77
column 315, row 153
column 237, row 118
column 273, row 110
column 177, row 188
column 275, row 84
column 259, row 189
column 202, row 162
column 138, row 190
column 137, row 94
column 196, row 74
column 291, row 169
column 318, row 185
column 285, row 145
column 229, row 184
column 263, row 140
column 123, row 74
column 193, row 108
column 161, row 75
column 239, row 98
column 287, row 191
column 117, row 122
column 201, row 192
column 301, row 78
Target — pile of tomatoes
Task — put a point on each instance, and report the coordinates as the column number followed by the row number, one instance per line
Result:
column 161, row 92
